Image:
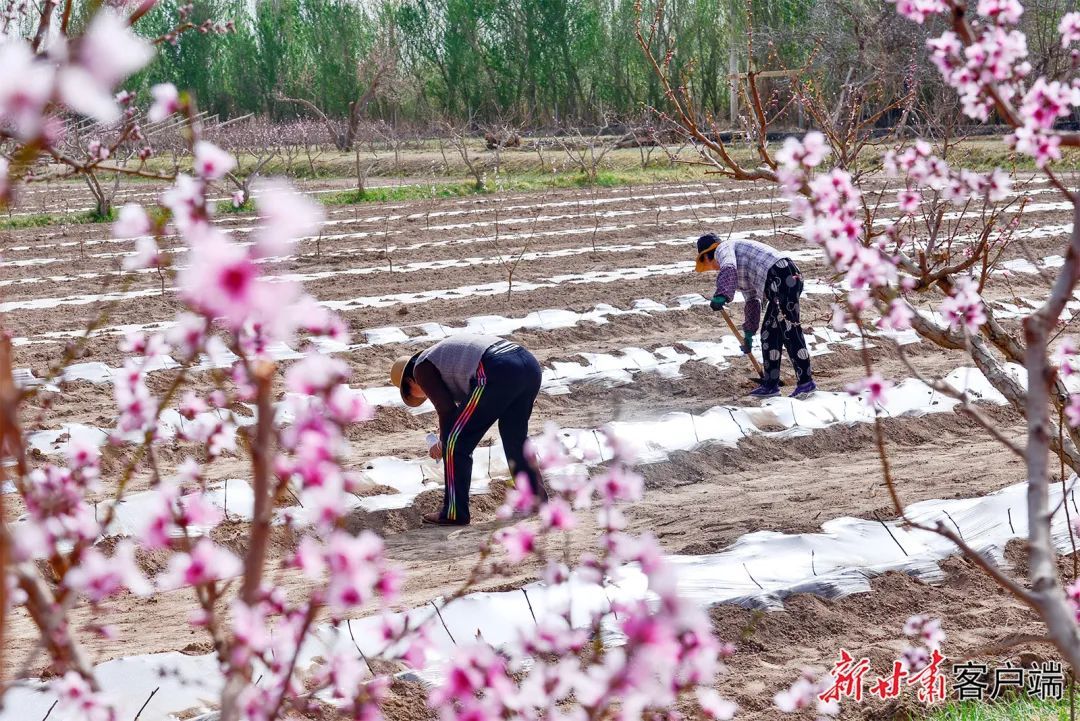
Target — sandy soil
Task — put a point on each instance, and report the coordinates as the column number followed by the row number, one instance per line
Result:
column 696, row 502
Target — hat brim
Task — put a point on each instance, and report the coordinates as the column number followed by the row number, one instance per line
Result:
column 407, row 377
column 700, row 264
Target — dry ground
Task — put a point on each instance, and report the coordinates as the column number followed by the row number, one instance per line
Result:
column 696, row 502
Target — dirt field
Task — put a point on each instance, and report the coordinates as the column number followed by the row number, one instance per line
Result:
column 380, row 266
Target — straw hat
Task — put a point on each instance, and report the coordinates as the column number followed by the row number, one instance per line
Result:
column 706, row 244
column 401, row 371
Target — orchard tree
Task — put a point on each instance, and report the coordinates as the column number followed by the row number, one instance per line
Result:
column 941, row 247
column 352, row 64
column 53, row 565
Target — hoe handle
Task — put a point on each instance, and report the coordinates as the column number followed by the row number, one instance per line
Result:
column 735, row 330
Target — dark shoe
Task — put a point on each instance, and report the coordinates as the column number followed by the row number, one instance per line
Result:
column 436, row 520
column 765, row 391
column 804, row 389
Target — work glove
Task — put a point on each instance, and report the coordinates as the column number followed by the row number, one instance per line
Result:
column 748, row 342
column 718, row 302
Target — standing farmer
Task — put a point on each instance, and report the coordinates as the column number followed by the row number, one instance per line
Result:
column 761, row 272
column 473, row 381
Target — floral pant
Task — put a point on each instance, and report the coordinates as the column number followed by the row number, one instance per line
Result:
column 781, row 327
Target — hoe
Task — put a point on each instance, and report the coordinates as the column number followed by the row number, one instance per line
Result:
column 753, row 361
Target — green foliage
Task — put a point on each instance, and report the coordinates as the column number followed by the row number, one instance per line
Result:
column 43, row 220
column 399, row 193
column 226, row 206
column 519, row 182
column 299, row 48
column 1021, row 708
column 201, row 63
column 93, row 216
column 543, row 62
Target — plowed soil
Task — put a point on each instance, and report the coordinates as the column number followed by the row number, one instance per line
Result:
column 696, row 502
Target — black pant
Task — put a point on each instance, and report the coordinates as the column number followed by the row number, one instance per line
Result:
column 781, row 327
column 504, row 390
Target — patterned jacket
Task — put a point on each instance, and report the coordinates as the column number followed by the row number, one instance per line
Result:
column 744, row 265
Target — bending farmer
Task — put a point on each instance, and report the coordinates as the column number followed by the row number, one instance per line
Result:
column 473, row 381
column 761, row 272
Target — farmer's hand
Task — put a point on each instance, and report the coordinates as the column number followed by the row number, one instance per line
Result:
column 434, row 446
column 718, row 302
column 748, row 342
